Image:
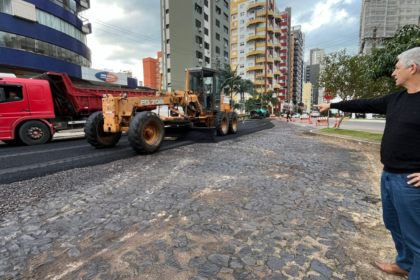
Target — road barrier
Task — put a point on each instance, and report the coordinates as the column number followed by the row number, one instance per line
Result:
column 272, row 116
column 304, row 119
column 336, row 123
column 322, row 121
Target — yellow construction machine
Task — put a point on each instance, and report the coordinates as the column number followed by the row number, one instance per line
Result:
column 200, row 105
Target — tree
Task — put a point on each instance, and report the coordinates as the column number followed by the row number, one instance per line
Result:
column 230, row 80
column 251, row 103
column 242, row 87
column 382, row 61
column 268, row 99
column 345, row 76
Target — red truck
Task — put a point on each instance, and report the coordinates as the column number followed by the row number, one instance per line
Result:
column 32, row 110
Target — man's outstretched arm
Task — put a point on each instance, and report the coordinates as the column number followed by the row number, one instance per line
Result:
column 377, row 105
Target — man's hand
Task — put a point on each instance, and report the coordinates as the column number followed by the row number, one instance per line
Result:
column 416, row 179
column 323, row 107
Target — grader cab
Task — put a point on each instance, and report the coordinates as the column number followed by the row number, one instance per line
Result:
column 201, row 104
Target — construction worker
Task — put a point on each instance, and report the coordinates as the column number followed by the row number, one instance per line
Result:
column 202, row 93
column 400, row 154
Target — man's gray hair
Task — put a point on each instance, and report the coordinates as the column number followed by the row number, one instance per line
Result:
column 412, row 56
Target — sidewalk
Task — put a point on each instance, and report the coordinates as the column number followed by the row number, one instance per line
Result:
column 71, row 133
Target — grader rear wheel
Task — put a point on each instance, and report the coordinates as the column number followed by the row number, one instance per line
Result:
column 221, row 122
column 146, row 133
column 95, row 134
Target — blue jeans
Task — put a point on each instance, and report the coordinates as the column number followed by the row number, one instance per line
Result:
column 401, row 213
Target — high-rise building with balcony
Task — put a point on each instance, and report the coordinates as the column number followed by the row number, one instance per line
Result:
column 298, row 47
column 380, row 19
column 39, row 36
column 316, row 56
column 194, row 34
column 260, row 44
column 152, row 71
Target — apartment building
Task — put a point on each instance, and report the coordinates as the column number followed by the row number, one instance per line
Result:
column 152, row 71
column 260, row 44
column 195, row 33
column 297, row 70
column 316, row 56
column 380, row 19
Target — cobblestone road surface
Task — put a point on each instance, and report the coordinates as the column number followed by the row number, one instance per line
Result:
column 271, row 205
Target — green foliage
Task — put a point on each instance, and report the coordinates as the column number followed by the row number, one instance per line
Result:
column 345, row 76
column 382, row 61
column 353, row 133
column 230, row 81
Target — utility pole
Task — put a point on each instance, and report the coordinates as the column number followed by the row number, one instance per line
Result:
column 266, row 47
column 375, row 29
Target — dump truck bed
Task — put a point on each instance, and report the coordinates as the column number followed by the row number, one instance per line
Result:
column 72, row 100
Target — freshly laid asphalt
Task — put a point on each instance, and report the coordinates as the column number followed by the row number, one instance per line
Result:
column 27, row 162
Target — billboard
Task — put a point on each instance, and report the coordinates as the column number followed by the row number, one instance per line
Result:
column 96, row 75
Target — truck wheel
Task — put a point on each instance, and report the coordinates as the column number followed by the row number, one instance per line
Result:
column 233, row 123
column 221, row 123
column 95, row 134
column 34, row 133
column 146, row 133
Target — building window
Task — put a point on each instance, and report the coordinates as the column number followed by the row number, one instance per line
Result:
column 197, row 23
column 13, row 41
column 218, row 50
column 167, row 11
column 234, row 46
column 198, row 40
column 226, row 54
column 206, row 3
column 206, row 31
column 168, row 55
column 242, row 44
column 207, row 60
column 218, row 10
column 206, row 46
column 241, row 51
column 206, row 17
column 226, row 29
column 217, row 36
column 226, row 17
column 217, row 23
column 242, row 36
column 226, row 42
column 198, row 9
column 225, row 3
column 234, row 17
column 242, row 14
column 167, row 26
column 167, row 41
column 199, row 54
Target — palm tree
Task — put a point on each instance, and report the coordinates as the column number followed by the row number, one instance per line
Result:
column 268, row 99
column 230, row 80
column 242, row 87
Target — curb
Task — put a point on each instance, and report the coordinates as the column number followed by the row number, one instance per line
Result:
column 347, row 139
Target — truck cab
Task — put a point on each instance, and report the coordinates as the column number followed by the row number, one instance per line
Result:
column 25, row 105
column 206, row 84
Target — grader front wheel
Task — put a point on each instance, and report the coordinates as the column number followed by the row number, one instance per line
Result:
column 233, row 123
column 146, row 133
column 95, row 134
column 221, row 123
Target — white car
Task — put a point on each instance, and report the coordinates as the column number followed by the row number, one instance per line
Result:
column 315, row 114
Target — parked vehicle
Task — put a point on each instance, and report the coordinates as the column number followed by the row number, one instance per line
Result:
column 297, row 115
column 360, row 115
column 315, row 114
column 32, row 110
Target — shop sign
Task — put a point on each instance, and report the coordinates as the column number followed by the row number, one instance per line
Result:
column 106, row 77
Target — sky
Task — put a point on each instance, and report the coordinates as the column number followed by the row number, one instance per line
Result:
column 125, row 32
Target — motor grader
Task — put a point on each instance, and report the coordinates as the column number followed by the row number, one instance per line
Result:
column 200, row 105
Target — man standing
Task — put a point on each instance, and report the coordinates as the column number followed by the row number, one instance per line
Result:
column 400, row 154
column 13, row 96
